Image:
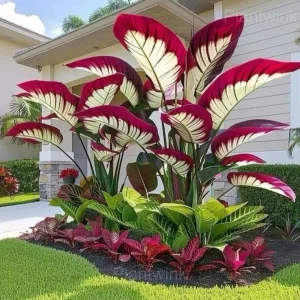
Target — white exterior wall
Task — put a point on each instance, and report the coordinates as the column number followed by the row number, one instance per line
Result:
column 10, row 75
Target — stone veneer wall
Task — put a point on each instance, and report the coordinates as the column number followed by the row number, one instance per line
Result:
column 50, row 182
column 221, row 185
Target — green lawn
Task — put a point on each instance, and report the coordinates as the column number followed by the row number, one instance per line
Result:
column 34, row 272
column 19, row 199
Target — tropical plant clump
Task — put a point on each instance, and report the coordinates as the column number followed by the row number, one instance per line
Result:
column 290, row 231
column 8, row 184
column 192, row 96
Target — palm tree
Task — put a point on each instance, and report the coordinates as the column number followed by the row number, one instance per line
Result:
column 71, row 22
column 21, row 111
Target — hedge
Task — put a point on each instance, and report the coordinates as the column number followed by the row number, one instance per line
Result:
column 277, row 206
column 26, row 171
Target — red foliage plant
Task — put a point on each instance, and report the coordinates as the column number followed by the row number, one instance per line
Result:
column 146, row 251
column 186, row 261
column 234, row 262
column 258, row 252
column 112, row 243
column 8, row 184
column 68, row 173
column 50, row 229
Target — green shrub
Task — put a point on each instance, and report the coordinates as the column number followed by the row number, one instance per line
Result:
column 27, row 173
column 275, row 205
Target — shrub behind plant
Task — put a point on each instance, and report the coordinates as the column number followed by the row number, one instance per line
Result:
column 26, row 171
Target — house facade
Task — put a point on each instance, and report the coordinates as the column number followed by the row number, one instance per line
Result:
column 271, row 27
column 14, row 38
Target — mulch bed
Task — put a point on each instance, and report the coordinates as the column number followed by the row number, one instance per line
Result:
column 287, row 253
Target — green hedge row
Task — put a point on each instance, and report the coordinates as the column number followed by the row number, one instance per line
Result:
column 26, row 171
column 275, row 205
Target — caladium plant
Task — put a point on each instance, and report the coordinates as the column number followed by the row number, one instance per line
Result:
column 186, row 260
column 190, row 128
column 146, row 251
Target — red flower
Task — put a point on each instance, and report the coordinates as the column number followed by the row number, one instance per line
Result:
column 68, row 173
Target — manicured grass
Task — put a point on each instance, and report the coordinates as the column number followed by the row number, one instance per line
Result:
column 34, row 272
column 19, row 199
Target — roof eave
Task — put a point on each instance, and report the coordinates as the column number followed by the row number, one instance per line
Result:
column 81, row 32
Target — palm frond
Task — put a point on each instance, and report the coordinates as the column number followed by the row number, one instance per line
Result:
column 21, row 107
column 294, row 140
column 71, row 22
column 8, row 121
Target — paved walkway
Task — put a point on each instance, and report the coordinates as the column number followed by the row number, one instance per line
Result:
column 16, row 219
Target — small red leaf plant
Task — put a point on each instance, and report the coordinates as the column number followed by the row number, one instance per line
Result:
column 8, row 184
column 147, row 250
column 111, row 244
column 81, row 234
column 50, row 230
column 234, row 262
column 259, row 254
column 186, row 262
column 46, row 229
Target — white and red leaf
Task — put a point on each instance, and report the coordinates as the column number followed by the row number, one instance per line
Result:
column 48, row 117
column 210, row 48
column 191, row 122
column 179, row 161
column 132, row 86
column 53, row 95
column 102, row 153
column 260, row 123
column 230, row 139
column 100, row 91
column 262, row 181
column 33, row 132
column 155, row 98
column 235, row 84
column 241, row 160
column 127, row 127
column 159, row 51
column 26, row 97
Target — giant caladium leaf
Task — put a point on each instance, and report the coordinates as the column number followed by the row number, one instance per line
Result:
column 33, row 132
column 159, row 51
column 107, row 65
column 241, row 160
column 260, row 123
column 53, row 95
column 210, row 48
column 179, row 161
column 152, row 96
column 191, row 122
column 230, row 139
column 156, row 99
column 100, row 91
column 26, row 97
column 235, row 84
column 102, row 153
column 127, row 126
column 263, row 181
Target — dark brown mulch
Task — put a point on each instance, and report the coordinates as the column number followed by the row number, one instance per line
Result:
column 287, row 253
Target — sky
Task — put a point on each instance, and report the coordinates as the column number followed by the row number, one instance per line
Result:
column 46, row 16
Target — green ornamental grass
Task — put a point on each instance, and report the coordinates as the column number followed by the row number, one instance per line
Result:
column 34, row 272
